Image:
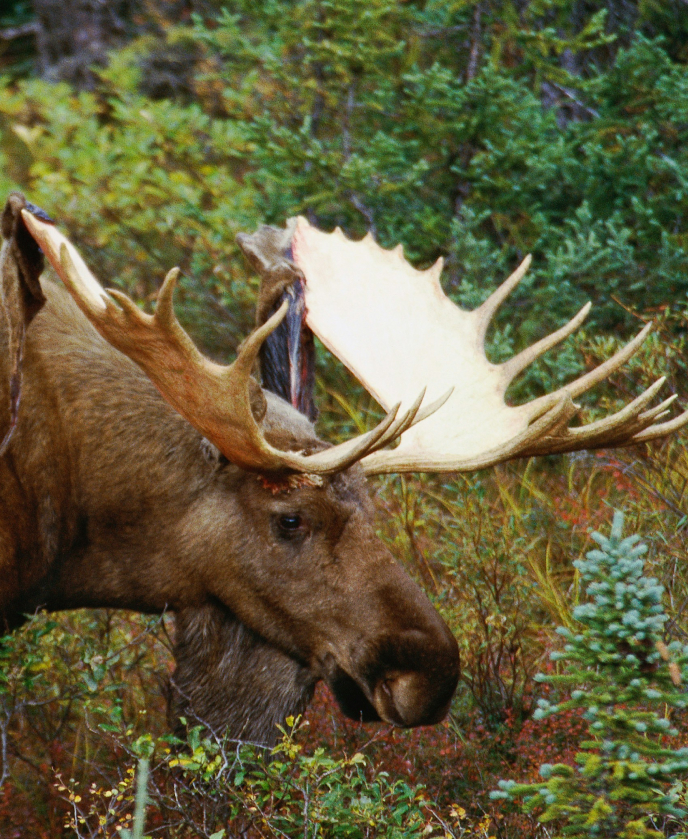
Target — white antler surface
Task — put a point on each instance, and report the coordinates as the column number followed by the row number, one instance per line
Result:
column 395, row 329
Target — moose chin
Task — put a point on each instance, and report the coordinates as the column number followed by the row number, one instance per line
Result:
column 137, row 474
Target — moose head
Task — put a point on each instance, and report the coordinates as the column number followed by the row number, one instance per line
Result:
column 142, row 475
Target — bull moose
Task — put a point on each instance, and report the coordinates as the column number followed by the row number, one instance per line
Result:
column 137, row 474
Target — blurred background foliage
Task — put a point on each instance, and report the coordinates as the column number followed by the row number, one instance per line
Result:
column 474, row 130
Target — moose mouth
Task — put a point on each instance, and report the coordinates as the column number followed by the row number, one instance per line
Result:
column 351, row 698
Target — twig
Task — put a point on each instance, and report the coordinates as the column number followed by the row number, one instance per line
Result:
column 3, row 735
column 365, row 211
column 569, row 95
column 11, row 33
column 474, row 55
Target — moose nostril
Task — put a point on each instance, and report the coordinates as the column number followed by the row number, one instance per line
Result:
column 405, row 692
column 385, row 703
column 386, row 687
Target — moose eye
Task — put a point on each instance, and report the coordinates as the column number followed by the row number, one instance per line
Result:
column 290, row 524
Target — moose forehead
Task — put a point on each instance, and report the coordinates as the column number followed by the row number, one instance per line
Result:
column 344, row 492
column 331, row 497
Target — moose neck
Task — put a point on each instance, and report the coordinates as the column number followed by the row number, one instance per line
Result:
column 246, row 686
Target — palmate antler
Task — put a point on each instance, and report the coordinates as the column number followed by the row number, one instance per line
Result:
column 395, row 329
column 218, row 401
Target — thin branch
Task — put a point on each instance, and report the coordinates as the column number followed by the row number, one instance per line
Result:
column 474, row 56
column 3, row 742
column 11, row 33
column 569, row 95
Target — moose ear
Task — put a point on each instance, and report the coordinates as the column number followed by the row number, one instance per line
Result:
column 287, row 356
column 268, row 252
column 21, row 298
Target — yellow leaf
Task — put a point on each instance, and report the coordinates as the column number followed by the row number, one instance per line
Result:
column 28, row 135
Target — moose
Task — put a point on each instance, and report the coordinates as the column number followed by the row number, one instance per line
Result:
column 137, row 474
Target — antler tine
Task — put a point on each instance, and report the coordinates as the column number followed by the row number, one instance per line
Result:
column 397, row 460
column 430, row 409
column 402, row 424
column 599, row 374
column 661, row 409
column 634, row 409
column 519, row 362
column 612, row 430
column 486, row 311
column 661, row 429
column 414, row 416
column 88, row 293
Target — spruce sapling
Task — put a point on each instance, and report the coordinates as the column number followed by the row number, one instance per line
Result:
column 618, row 671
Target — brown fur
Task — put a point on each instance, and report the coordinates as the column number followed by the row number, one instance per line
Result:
column 109, row 498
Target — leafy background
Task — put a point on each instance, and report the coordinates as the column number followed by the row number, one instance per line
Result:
column 475, row 131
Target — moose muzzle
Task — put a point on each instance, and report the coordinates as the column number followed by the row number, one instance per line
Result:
column 408, row 680
column 417, row 689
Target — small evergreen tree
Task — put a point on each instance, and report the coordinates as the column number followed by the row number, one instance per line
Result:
column 623, row 677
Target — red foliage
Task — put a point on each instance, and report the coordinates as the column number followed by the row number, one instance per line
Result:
column 456, row 765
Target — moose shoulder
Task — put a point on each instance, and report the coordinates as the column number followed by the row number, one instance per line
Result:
column 111, row 498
